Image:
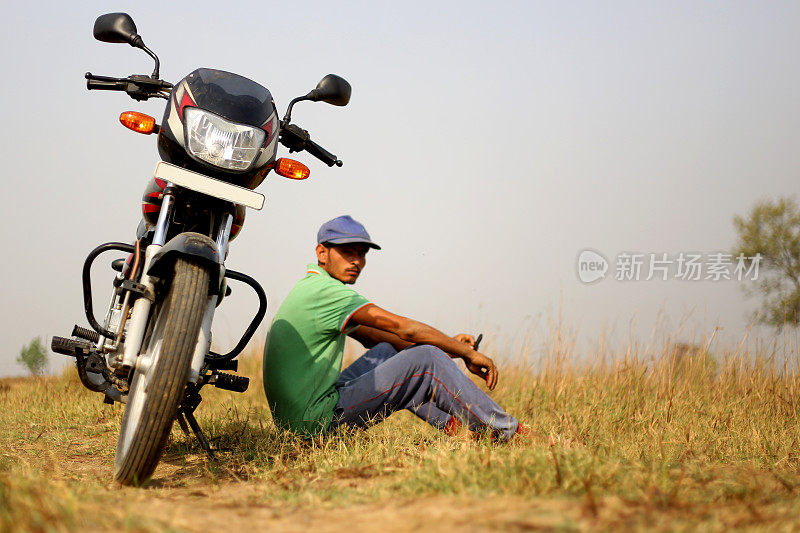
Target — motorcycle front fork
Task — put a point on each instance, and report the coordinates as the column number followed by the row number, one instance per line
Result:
column 137, row 323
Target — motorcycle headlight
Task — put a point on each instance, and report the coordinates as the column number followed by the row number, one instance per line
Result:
column 220, row 142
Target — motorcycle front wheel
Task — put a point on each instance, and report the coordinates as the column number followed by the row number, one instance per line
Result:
column 160, row 377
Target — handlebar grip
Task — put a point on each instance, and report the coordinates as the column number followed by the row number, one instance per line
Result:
column 98, row 85
column 321, row 153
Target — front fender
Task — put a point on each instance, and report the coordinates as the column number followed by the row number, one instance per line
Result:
column 195, row 245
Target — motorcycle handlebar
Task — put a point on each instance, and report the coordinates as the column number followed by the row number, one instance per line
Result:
column 296, row 139
column 98, row 85
column 138, row 87
column 322, row 154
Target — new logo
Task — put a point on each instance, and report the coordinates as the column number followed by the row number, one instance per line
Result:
column 592, row 266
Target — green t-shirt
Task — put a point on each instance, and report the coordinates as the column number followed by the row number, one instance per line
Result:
column 304, row 348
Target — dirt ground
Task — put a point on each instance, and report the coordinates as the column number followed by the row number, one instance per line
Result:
column 180, row 497
column 236, row 506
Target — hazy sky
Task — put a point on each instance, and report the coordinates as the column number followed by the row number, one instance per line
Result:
column 484, row 147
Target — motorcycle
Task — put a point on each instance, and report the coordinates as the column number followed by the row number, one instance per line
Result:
column 217, row 142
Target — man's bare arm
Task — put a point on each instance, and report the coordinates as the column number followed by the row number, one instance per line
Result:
column 369, row 337
column 415, row 332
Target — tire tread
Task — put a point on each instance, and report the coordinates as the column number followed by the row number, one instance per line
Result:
column 186, row 300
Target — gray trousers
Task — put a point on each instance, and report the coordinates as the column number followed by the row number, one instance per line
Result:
column 422, row 379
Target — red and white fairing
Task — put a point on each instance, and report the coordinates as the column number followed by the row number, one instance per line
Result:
column 232, row 97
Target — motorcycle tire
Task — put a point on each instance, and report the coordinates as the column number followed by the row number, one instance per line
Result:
column 159, row 380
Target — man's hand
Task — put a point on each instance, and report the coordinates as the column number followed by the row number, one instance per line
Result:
column 482, row 366
column 465, row 338
column 415, row 332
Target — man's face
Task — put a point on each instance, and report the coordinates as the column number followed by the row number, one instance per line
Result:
column 343, row 261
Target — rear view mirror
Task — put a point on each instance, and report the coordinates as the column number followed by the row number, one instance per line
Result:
column 115, row 28
column 120, row 28
column 332, row 89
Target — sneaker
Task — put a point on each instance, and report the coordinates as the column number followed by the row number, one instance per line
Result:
column 523, row 435
column 453, row 426
column 520, row 434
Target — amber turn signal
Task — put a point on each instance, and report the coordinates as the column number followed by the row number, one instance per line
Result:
column 138, row 122
column 289, row 168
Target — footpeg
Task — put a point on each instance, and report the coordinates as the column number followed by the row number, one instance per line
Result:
column 231, row 382
column 70, row 347
column 88, row 334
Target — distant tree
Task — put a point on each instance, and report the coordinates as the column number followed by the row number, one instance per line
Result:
column 772, row 229
column 34, row 357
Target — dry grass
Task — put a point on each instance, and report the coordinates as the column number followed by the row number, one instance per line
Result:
column 644, row 438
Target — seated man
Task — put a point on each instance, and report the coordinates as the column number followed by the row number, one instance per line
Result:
column 408, row 366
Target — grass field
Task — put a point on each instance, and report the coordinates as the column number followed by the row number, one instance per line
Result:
column 667, row 439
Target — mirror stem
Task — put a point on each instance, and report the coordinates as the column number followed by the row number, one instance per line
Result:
column 139, row 43
column 287, row 118
column 155, row 58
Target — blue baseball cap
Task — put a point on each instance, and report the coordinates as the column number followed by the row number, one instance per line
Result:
column 344, row 230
